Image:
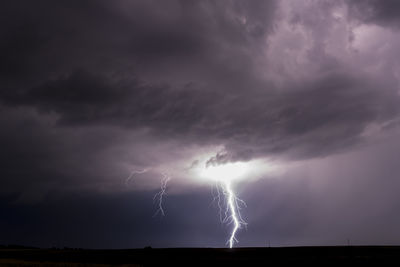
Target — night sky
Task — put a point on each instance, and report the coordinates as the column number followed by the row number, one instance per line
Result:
column 306, row 93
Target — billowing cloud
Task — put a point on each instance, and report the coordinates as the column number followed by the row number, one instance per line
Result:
column 385, row 13
column 92, row 90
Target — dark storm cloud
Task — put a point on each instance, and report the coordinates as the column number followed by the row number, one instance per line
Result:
column 83, row 73
column 90, row 90
column 317, row 118
column 384, row 13
column 46, row 38
column 96, row 63
column 37, row 158
column 85, row 98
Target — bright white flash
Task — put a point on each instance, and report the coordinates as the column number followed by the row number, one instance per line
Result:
column 223, row 175
column 235, row 217
column 226, row 172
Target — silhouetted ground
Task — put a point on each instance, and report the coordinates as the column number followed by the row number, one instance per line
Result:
column 310, row 256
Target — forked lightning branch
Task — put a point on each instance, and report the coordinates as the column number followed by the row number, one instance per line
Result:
column 223, row 176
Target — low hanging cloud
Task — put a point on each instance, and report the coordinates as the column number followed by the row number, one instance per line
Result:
column 265, row 79
column 92, row 91
column 314, row 119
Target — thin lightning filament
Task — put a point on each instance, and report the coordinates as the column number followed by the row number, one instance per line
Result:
column 158, row 198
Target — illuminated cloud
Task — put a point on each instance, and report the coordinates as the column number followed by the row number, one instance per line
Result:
column 94, row 90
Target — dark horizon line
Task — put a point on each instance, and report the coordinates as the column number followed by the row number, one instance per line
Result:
column 16, row 246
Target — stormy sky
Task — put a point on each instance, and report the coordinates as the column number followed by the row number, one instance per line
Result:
column 94, row 90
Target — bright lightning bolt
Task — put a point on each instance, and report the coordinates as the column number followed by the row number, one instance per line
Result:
column 234, row 210
column 158, row 197
column 232, row 213
column 223, row 176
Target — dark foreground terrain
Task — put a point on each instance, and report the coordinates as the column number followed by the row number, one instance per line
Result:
column 310, row 256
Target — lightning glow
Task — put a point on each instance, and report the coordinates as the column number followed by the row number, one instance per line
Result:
column 223, row 175
column 234, row 211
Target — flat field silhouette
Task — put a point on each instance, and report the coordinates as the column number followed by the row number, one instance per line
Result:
column 311, row 256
